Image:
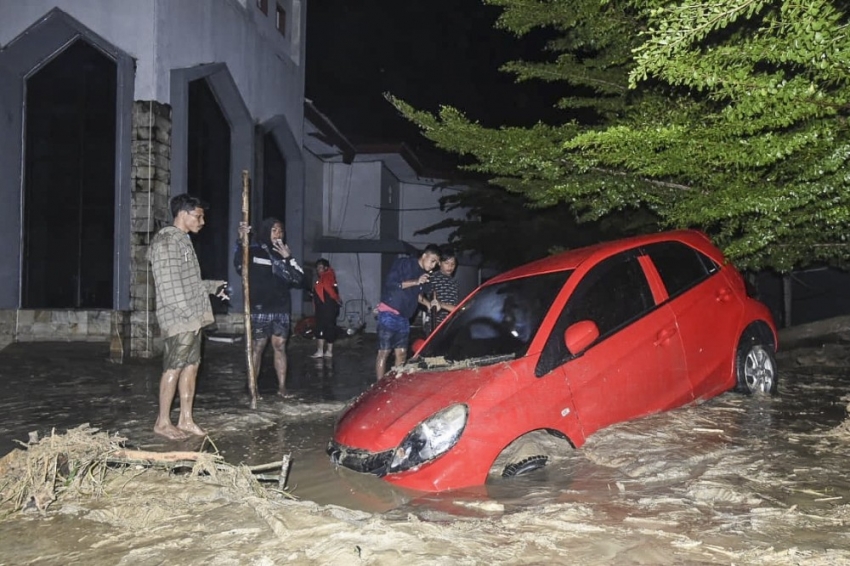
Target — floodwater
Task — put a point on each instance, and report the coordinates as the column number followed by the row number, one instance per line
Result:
column 734, row 480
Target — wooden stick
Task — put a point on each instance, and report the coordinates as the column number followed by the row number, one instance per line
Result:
column 433, row 313
column 155, row 456
column 284, row 472
column 264, row 467
column 246, row 289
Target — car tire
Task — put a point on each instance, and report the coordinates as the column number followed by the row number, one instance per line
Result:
column 755, row 366
column 524, row 455
column 528, row 465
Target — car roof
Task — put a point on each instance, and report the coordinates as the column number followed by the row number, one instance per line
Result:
column 572, row 259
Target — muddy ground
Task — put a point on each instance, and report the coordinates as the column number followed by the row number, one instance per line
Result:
column 735, row 480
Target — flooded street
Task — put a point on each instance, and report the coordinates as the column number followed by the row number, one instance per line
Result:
column 736, row 480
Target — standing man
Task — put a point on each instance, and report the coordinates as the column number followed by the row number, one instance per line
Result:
column 182, row 310
column 444, row 287
column 272, row 272
column 408, row 278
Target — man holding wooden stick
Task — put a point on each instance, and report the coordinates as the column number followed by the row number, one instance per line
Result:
column 273, row 272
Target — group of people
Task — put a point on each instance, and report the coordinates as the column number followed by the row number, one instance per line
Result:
column 183, row 308
column 413, row 281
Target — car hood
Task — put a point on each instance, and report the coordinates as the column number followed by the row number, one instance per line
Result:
column 383, row 416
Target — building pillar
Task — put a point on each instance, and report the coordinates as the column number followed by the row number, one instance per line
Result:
column 151, row 190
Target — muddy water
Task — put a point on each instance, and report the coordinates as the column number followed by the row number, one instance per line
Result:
column 710, row 467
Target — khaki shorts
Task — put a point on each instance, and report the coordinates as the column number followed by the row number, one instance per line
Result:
column 182, row 350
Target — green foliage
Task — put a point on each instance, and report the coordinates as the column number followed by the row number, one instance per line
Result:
column 727, row 115
column 500, row 228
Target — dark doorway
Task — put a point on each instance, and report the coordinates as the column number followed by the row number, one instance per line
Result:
column 208, row 178
column 69, row 182
column 274, row 180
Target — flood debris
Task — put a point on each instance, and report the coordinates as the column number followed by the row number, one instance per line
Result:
column 80, row 462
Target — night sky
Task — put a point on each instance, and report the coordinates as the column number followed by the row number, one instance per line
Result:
column 427, row 53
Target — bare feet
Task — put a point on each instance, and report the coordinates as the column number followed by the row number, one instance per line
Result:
column 192, row 428
column 169, row 431
column 284, row 394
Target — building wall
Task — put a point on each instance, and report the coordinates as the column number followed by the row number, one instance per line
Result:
column 419, row 207
column 256, row 72
column 314, row 198
column 350, row 210
column 352, row 194
column 162, row 35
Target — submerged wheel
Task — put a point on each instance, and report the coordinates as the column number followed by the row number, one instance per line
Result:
column 525, row 466
column 524, row 455
column 755, row 365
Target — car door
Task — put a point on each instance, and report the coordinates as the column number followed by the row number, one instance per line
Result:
column 708, row 311
column 636, row 366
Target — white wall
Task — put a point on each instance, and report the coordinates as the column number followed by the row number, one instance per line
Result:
column 359, row 279
column 154, row 32
column 314, row 187
column 352, row 200
column 420, row 208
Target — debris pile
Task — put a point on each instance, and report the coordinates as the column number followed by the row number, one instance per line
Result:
column 80, row 462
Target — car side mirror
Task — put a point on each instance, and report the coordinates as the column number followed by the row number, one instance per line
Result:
column 580, row 335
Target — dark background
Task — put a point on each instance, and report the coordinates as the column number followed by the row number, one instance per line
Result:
column 428, row 53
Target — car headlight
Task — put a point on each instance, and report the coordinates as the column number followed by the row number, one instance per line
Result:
column 431, row 438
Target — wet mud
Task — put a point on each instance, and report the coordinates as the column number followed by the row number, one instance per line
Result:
column 735, row 480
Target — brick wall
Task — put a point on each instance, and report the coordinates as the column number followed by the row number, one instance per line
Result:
column 151, row 189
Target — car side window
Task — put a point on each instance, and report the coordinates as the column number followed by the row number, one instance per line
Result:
column 680, row 267
column 612, row 295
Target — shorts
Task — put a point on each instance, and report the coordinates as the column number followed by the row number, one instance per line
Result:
column 181, row 350
column 393, row 331
column 264, row 325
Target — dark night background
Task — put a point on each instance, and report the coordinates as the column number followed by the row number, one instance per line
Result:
column 447, row 52
column 428, row 53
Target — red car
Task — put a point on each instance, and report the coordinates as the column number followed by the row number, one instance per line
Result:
column 561, row 347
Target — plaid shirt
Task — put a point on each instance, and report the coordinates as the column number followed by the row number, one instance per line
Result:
column 182, row 297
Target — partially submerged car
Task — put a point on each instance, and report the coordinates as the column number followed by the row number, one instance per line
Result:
column 561, row 347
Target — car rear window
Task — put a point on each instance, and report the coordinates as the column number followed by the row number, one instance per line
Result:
column 680, row 267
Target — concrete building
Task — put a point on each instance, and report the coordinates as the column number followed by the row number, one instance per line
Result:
column 107, row 109
column 364, row 209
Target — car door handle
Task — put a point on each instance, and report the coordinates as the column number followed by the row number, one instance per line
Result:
column 663, row 336
column 724, row 295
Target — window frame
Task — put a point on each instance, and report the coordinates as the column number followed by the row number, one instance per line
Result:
column 280, row 19
column 555, row 353
column 709, row 266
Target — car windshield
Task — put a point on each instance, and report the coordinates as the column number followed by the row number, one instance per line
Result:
column 497, row 322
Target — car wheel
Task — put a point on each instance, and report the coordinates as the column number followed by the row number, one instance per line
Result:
column 755, row 365
column 524, row 455
column 526, row 466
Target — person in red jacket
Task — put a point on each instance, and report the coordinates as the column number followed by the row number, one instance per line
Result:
column 326, row 305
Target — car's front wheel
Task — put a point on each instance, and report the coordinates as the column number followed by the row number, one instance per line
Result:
column 522, row 456
column 755, row 365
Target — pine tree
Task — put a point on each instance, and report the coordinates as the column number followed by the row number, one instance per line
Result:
column 728, row 116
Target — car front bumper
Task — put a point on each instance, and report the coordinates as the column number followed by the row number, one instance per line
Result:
column 359, row 460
